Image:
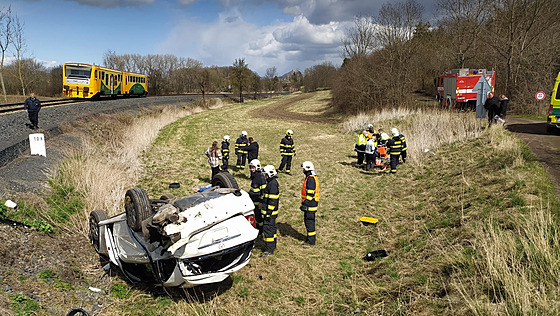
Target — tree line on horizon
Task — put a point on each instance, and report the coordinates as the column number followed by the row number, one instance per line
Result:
column 386, row 58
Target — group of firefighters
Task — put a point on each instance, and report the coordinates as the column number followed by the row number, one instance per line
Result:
column 264, row 191
column 380, row 150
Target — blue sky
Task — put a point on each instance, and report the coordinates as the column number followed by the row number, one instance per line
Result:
column 286, row 34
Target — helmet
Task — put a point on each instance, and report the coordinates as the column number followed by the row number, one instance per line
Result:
column 395, row 132
column 270, row 170
column 255, row 163
column 307, row 166
column 226, row 138
column 244, row 133
column 289, row 132
column 370, row 126
column 384, row 136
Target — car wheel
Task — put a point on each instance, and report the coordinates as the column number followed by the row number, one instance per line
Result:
column 94, row 218
column 138, row 208
column 224, row 180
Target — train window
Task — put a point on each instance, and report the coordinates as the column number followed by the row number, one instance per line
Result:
column 95, row 74
column 77, row 71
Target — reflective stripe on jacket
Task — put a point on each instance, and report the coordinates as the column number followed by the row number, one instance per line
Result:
column 225, row 149
column 394, row 145
column 258, row 184
column 240, row 145
column 287, row 147
column 271, row 198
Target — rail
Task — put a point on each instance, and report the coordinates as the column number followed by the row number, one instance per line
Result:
column 12, row 107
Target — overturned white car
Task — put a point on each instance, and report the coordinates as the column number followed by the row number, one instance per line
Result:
column 197, row 239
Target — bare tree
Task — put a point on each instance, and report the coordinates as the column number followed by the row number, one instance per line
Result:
column 361, row 39
column 20, row 47
column 524, row 35
column 464, row 21
column 6, row 31
column 240, row 76
column 269, row 76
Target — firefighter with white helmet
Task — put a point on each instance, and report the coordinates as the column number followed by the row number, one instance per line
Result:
column 269, row 209
column 395, row 146
column 258, row 184
column 287, row 151
column 309, row 200
column 225, row 152
column 240, row 151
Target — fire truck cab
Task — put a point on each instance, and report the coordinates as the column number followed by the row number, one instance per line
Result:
column 455, row 87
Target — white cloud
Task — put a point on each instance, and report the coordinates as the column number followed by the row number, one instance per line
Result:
column 112, row 3
column 287, row 46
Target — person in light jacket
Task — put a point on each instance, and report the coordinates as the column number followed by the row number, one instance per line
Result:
column 214, row 155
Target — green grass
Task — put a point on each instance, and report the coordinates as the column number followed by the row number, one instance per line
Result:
column 23, row 305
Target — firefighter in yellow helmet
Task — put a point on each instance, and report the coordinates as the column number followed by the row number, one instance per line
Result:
column 309, row 200
column 287, row 151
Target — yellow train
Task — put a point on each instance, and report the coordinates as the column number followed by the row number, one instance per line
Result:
column 87, row 81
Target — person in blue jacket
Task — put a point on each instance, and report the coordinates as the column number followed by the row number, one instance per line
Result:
column 32, row 105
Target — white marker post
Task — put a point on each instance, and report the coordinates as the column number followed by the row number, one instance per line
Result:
column 37, row 144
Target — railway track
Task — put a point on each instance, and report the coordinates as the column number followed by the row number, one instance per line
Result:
column 13, row 107
column 17, row 106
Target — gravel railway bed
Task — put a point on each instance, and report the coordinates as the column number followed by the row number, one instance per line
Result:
column 14, row 140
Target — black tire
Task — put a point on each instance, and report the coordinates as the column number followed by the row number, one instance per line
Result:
column 449, row 102
column 224, row 180
column 167, row 196
column 94, row 218
column 138, row 208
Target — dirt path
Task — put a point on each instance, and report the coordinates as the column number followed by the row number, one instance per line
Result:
column 546, row 147
column 281, row 111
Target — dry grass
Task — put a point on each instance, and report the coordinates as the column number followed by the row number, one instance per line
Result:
column 108, row 159
column 424, row 129
column 434, row 214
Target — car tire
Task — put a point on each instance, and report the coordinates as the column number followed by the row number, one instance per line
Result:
column 138, row 208
column 224, row 180
column 94, row 218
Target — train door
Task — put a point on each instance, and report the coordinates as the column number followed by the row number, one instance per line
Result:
column 112, row 82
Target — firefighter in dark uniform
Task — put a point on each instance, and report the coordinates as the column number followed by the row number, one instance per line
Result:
column 395, row 146
column 403, row 150
column 240, row 145
column 287, row 151
column 309, row 200
column 269, row 209
column 225, row 153
column 258, row 184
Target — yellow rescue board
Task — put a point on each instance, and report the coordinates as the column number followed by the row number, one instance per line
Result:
column 368, row 220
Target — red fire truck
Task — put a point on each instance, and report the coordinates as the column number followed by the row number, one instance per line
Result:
column 455, row 87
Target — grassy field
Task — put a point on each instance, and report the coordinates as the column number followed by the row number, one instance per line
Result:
column 470, row 224
column 439, row 216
